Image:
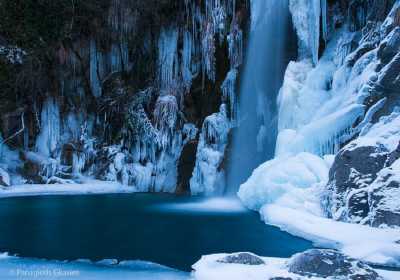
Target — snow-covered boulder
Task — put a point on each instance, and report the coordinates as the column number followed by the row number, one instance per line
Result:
column 363, row 182
column 329, row 264
column 4, row 178
column 312, row 264
column 242, row 258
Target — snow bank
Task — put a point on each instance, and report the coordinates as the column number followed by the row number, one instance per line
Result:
column 87, row 187
column 208, row 268
column 23, row 268
column 287, row 193
column 377, row 246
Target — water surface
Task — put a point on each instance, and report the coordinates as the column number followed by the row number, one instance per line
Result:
column 165, row 229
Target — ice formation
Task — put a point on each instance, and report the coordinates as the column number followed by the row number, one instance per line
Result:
column 49, row 138
column 208, row 176
column 323, row 104
column 306, row 16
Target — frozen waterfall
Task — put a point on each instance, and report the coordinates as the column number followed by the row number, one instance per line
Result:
column 254, row 139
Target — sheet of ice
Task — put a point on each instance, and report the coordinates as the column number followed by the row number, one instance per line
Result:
column 389, row 275
column 24, row 268
column 217, row 205
column 87, row 187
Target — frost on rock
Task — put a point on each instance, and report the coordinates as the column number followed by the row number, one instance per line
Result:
column 208, row 177
column 13, row 54
column 363, row 185
column 316, row 264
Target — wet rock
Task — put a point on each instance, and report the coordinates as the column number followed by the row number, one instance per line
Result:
column 242, row 258
column 330, row 263
column 4, row 178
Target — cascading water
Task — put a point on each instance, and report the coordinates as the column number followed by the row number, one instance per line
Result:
column 254, row 139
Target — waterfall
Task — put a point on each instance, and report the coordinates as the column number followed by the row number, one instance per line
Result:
column 254, row 139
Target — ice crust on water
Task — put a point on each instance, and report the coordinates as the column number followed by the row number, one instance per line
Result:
column 23, row 268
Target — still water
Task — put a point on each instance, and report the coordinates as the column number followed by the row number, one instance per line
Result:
column 165, row 229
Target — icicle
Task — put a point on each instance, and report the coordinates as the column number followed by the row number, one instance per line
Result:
column 324, row 12
column 306, row 15
column 165, row 116
column 208, row 51
column 206, row 177
column 94, row 77
column 315, row 28
column 235, row 43
column 187, row 51
column 229, row 92
column 49, row 137
column 168, row 56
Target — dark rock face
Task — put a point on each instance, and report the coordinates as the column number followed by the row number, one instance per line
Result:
column 330, row 263
column 243, row 258
column 353, row 169
column 349, row 196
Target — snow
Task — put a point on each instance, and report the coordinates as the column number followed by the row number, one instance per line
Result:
column 208, row 268
column 319, row 105
column 23, row 268
column 373, row 245
column 287, row 190
column 384, row 133
column 88, row 186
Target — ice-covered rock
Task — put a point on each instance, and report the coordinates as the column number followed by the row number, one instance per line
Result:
column 330, row 264
column 363, row 187
column 208, row 177
column 315, row 264
column 242, row 258
column 4, row 178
